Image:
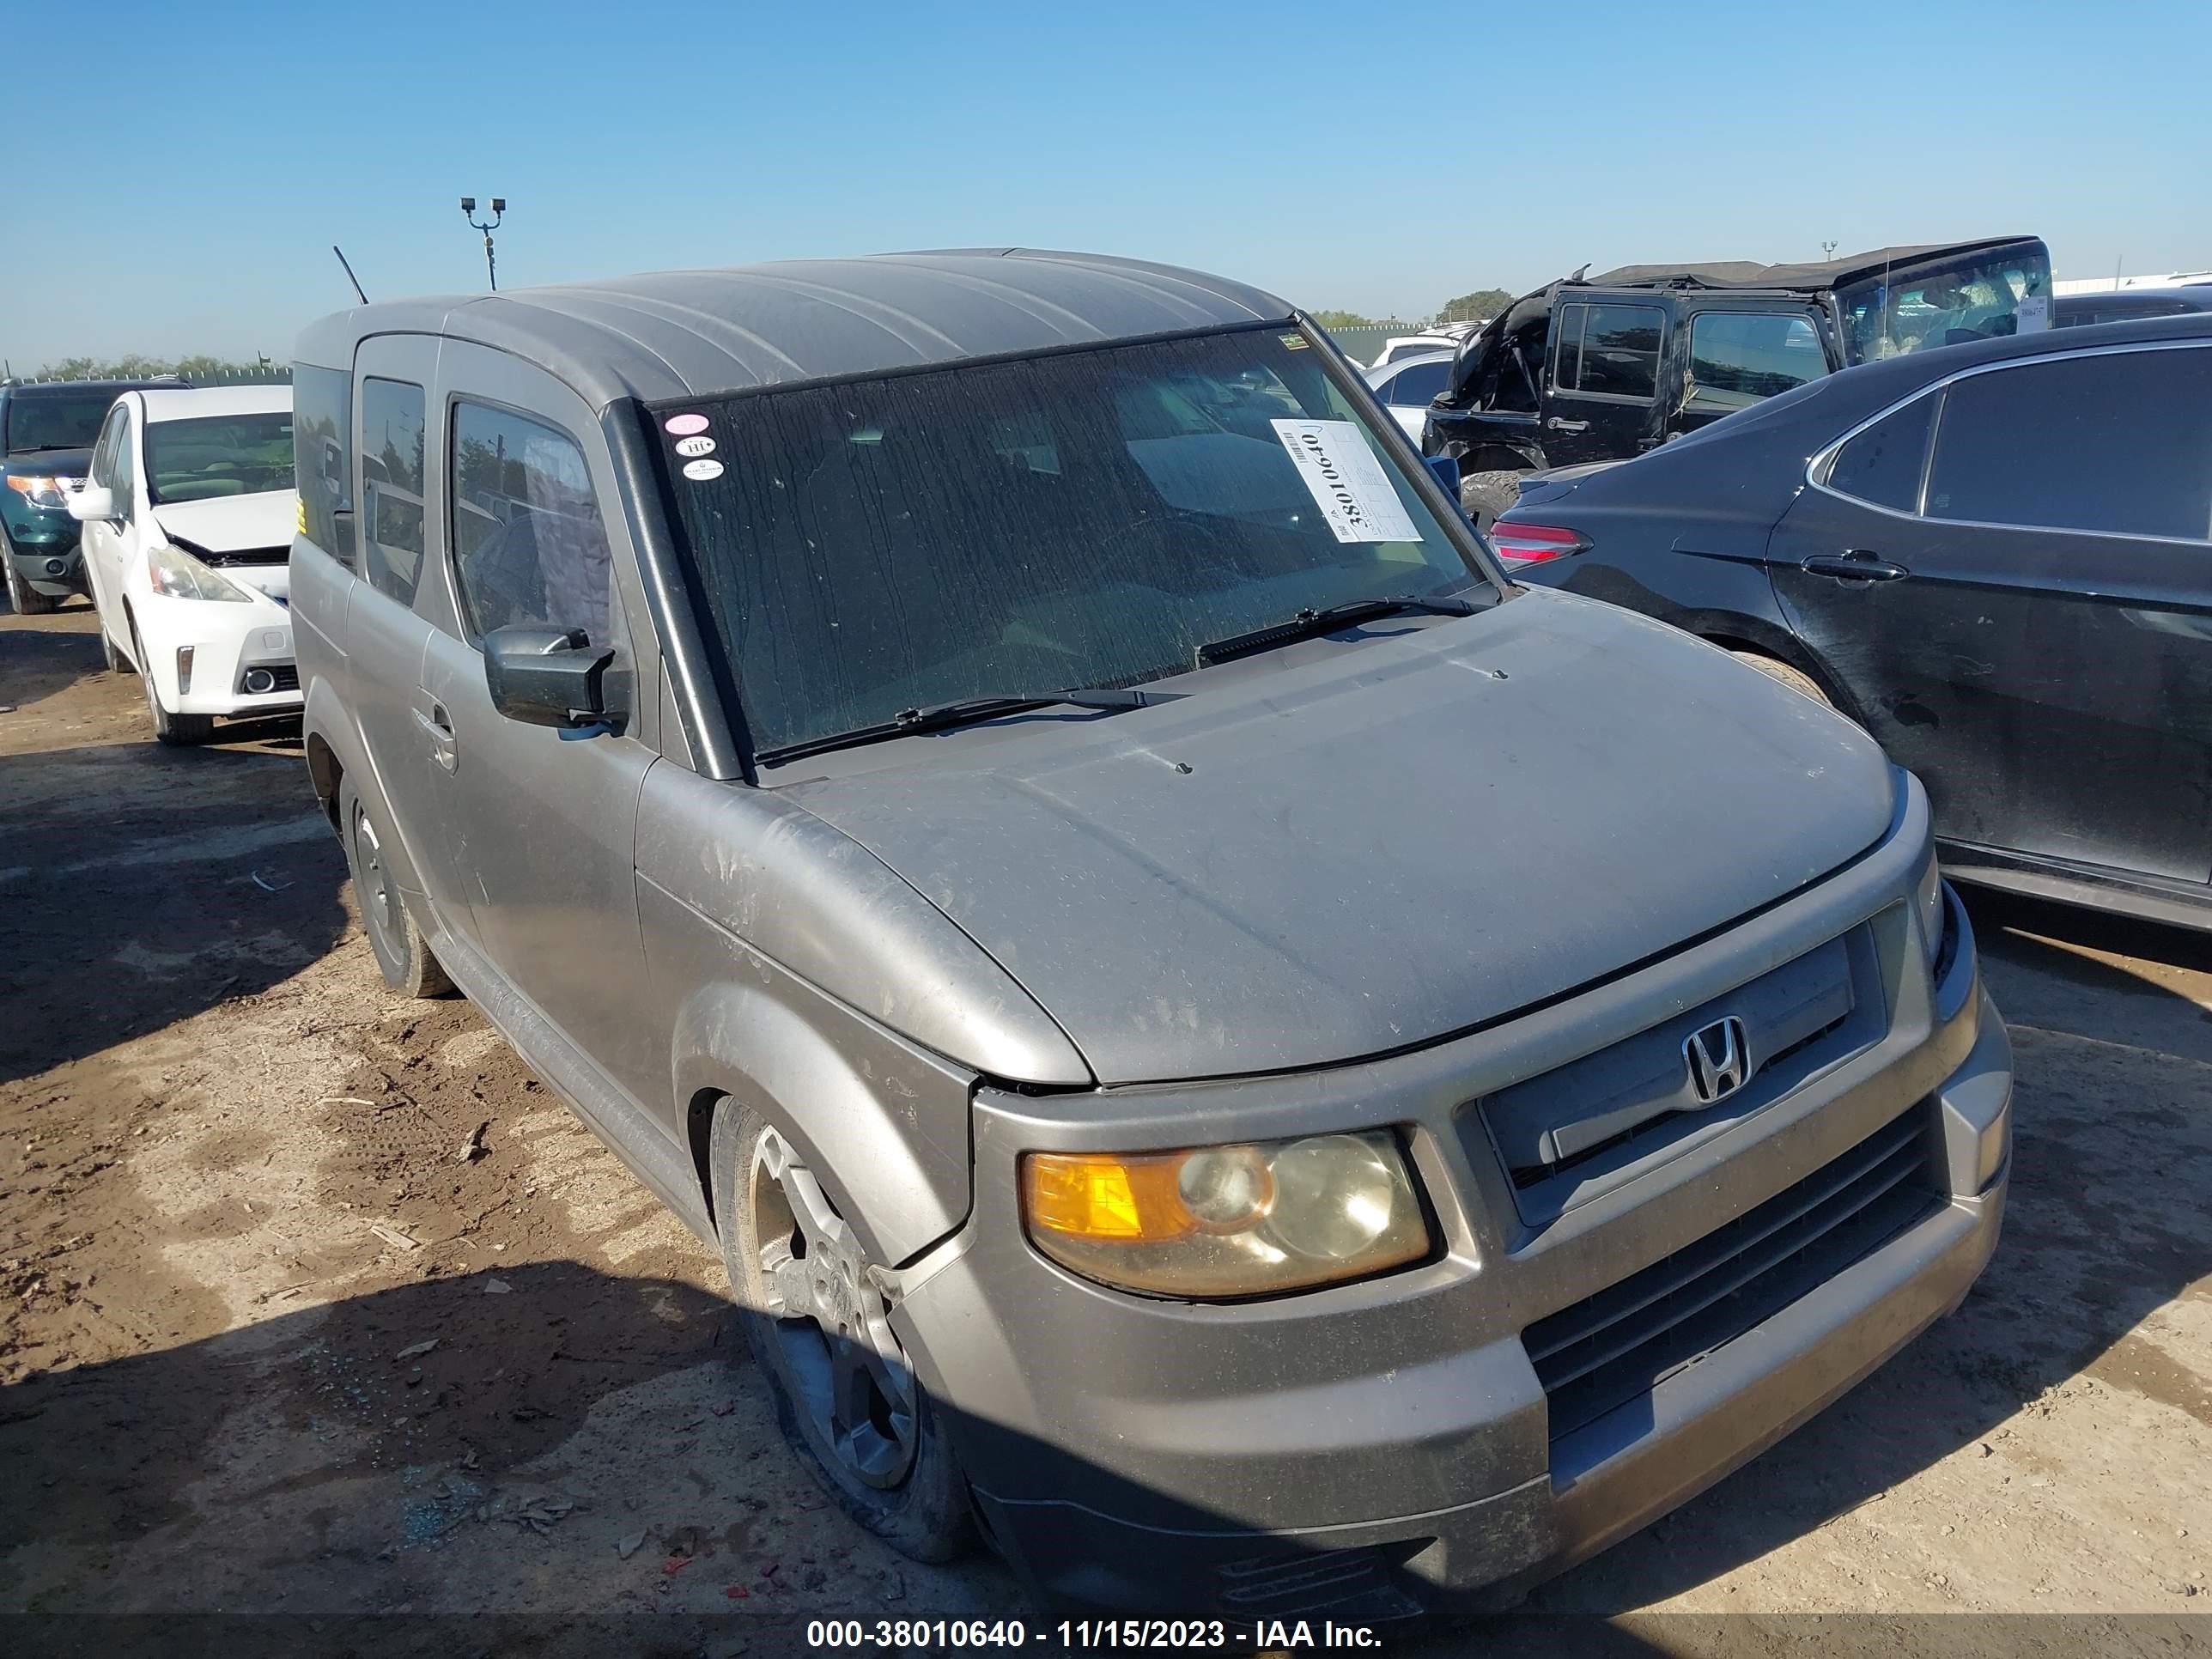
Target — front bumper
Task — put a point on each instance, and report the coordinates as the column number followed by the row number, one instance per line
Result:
column 1380, row 1448
column 47, row 558
column 229, row 643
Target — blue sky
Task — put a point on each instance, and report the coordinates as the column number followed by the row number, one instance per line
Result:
column 183, row 198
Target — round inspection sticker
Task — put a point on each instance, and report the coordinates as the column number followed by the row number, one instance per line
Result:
column 682, row 426
column 694, row 445
column 699, row 471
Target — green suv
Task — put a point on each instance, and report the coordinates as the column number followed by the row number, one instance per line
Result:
column 47, row 428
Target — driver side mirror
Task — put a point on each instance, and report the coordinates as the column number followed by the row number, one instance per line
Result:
column 92, row 504
column 549, row 677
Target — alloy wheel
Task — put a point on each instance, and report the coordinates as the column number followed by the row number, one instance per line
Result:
column 841, row 1362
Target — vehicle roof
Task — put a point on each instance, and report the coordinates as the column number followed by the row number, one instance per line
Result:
column 188, row 403
column 1798, row 278
column 1382, row 372
column 46, row 388
column 672, row 334
column 2197, row 296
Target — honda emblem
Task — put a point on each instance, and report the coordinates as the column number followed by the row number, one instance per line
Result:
column 1719, row 1058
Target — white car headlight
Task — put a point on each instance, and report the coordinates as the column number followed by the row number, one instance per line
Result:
column 179, row 574
column 1253, row 1220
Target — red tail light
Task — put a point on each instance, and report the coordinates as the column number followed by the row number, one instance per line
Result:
column 1533, row 544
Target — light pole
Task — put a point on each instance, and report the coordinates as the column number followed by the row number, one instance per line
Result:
column 498, row 209
column 1828, row 248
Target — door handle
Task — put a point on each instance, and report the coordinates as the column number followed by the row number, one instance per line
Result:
column 441, row 735
column 1854, row 566
column 1559, row 423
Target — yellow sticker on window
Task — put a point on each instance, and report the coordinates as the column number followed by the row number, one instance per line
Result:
column 1293, row 341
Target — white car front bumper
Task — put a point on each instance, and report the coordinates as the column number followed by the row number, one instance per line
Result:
column 231, row 645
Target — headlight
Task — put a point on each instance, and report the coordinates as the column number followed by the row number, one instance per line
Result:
column 1223, row 1221
column 1928, row 898
column 50, row 493
column 179, row 574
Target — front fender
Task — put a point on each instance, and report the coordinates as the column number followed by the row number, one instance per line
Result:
column 883, row 1124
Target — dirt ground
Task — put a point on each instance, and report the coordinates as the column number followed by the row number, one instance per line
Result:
column 314, row 1303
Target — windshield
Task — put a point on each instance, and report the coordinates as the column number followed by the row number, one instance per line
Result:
column 218, row 455
column 1086, row 519
column 1974, row 297
column 46, row 420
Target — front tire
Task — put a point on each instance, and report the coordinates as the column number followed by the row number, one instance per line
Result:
column 1795, row 678
column 403, row 956
column 818, row 1329
column 27, row 599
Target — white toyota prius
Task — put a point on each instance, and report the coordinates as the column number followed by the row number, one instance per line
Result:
column 188, row 508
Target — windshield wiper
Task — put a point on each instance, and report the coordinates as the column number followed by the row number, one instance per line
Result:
column 1306, row 624
column 962, row 711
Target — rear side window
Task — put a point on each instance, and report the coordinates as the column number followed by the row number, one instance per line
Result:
column 392, row 486
column 530, row 546
column 322, row 451
column 1884, row 464
column 2119, row 442
column 1739, row 357
column 1610, row 352
column 1417, row 387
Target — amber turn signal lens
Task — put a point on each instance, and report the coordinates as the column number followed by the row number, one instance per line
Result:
column 1130, row 1198
column 1252, row 1219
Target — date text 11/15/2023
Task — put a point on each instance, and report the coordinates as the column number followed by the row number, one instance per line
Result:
column 1085, row 1635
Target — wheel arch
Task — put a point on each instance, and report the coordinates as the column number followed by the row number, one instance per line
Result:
column 1761, row 638
column 883, row 1124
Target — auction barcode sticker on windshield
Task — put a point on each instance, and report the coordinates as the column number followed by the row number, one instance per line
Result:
column 1346, row 480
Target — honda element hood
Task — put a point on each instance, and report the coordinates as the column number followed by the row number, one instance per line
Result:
column 1358, row 848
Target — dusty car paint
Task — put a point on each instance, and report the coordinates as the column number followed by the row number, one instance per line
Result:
column 1369, row 882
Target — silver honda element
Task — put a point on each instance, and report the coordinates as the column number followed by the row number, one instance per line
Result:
column 1230, row 1050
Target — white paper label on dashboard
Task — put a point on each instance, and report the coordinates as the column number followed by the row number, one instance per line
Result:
column 2034, row 312
column 1348, row 482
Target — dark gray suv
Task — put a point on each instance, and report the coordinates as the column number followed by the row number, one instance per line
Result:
column 1225, row 1045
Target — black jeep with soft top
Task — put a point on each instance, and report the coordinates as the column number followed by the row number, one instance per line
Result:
column 1602, row 368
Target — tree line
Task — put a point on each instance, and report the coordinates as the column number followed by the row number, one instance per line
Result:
column 135, row 367
column 1482, row 304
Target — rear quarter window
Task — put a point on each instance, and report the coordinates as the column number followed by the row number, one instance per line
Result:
column 322, row 443
column 1883, row 466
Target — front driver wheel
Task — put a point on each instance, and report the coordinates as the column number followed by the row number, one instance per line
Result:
column 27, row 599
column 819, row 1330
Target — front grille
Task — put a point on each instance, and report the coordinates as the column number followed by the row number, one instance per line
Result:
column 1618, row 1345
column 1570, row 1135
